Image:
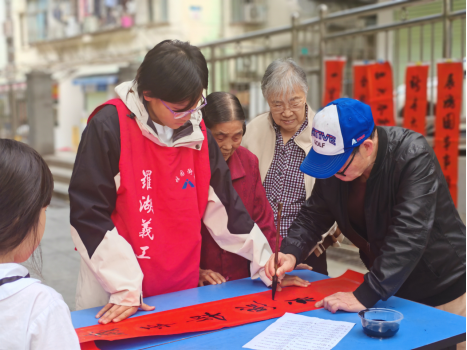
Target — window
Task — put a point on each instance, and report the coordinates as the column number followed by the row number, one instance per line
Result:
column 36, row 19
column 158, row 11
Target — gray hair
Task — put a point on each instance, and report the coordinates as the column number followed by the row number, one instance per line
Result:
column 282, row 77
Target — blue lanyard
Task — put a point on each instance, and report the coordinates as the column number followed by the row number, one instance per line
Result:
column 12, row 279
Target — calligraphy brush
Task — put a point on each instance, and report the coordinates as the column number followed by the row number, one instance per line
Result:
column 274, row 278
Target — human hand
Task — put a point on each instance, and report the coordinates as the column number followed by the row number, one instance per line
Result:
column 285, row 263
column 291, row 280
column 344, row 301
column 116, row 313
column 303, row 267
column 210, row 277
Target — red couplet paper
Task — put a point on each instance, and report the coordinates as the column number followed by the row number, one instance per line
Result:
column 334, row 74
column 360, row 83
column 222, row 313
column 448, row 109
column 381, row 93
column 416, row 98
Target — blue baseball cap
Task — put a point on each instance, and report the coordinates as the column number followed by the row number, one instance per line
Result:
column 338, row 128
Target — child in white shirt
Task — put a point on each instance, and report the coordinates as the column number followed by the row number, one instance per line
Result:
column 32, row 315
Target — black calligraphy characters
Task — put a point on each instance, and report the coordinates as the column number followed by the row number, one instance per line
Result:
column 447, row 142
column 448, row 121
column 301, row 300
column 157, row 326
column 379, row 75
column 446, row 161
column 208, row 316
column 415, row 83
column 450, row 83
column 255, row 307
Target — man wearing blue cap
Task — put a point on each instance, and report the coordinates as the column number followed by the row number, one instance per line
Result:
column 385, row 189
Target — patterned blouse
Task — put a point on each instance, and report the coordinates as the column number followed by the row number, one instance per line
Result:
column 284, row 183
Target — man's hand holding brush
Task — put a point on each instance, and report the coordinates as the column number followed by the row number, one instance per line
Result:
column 285, row 263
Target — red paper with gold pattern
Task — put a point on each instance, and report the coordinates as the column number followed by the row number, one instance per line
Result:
column 222, row 313
column 333, row 83
column 416, row 98
column 448, row 109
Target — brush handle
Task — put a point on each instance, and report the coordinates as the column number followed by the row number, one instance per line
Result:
column 276, row 257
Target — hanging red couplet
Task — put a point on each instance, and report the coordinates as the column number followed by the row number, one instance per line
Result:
column 334, row 74
column 222, row 313
column 416, row 98
column 360, row 83
column 381, row 93
column 448, row 109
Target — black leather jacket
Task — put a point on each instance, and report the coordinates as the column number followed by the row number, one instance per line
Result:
column 416, row 239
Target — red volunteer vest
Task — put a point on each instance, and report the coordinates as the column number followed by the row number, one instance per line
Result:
column 161, row 200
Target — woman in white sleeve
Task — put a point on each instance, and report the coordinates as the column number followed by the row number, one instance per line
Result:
column 33, row 316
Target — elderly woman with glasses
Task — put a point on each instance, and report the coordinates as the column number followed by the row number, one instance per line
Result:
column 146, row 174
column 281, row 139
column 224, row 116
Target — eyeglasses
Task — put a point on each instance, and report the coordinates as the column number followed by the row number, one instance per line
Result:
column 342, row 173
column 293, row 107
column 179, row 115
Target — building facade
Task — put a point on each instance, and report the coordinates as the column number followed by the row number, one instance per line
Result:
column 88, row 46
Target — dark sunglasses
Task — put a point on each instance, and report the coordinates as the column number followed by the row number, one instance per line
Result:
column 342, row 173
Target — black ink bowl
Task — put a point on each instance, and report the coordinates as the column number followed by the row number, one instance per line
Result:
column 380, row 323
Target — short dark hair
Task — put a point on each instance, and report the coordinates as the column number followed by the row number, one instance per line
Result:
column 372, row 136
column 223, row 107
column 173, row 71
column 26, row 186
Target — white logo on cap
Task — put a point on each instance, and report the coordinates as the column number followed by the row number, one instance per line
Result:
column 353, row 142
column 326, row 132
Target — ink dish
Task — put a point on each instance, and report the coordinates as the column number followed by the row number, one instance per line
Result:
column 380, row 323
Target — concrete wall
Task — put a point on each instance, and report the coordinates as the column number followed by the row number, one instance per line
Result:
column 40, row 112
column 70, row 113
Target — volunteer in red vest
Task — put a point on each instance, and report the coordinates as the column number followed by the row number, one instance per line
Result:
column 146, row 174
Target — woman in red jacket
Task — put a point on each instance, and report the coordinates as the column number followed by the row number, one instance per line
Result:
column 224, row 116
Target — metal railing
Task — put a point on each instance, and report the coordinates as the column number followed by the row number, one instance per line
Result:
column 238, row 64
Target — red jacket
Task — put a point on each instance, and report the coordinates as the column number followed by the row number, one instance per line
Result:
column 246, row 180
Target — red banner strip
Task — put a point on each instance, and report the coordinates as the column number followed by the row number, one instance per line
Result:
column 416, row 98
column 383, row 111
column 373, row 86
column 360, row 83
column 381, row 93
column 447, row 152
column 334, row 76
column 448, row 110
column 222, row 313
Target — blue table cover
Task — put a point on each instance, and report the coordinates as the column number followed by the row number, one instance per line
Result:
column 422, row 325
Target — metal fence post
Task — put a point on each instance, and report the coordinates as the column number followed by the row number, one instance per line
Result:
column 446, row 29
column 323, row 9
column 212, row 73
column 294, row 33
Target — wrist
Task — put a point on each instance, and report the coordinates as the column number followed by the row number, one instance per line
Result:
column 292, row 259
column 366, row 295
